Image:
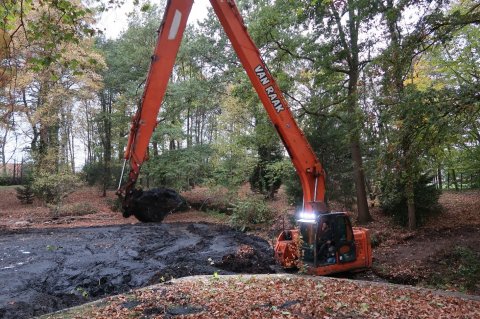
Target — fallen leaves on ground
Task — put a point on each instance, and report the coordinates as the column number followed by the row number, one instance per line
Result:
column 412, row 257
column 279, row 296
column 459, row 209
column 14, row 215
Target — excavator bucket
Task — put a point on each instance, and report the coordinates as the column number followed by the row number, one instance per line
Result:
column 153, row 205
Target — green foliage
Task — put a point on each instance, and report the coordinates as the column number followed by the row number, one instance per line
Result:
column 7, row 181
column 93, row 173
column 394, row 203
column 250, row 211
column 231, row 167
column 469, row 268
column 82, row 291
column 179, row 169
column 267, row 175
column 52, row 23
column 53, row 188
column 52, row 247
column 331, row 144
column 293, row 187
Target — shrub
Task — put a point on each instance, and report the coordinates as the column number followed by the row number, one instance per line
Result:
column 458, row 267
column 394, row 203
column 248, row 211
column 92, row 173
column 115, row 204
column 293, row 187
column 53, row 188
column 25, row 194
column 469, row 267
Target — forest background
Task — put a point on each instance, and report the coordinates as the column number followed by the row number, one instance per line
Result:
column 387, row 93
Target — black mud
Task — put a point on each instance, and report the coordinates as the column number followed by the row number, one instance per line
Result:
column 155, row 204
column 46, row 270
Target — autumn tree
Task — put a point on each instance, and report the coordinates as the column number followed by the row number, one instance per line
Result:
column 52, row 62
column 417, row 118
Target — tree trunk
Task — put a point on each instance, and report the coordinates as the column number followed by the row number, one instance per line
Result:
column 396, row 78
column 155, row 148
column 410, row 193
column 354, row 122
column 189, row 129
column 72, row 147
column 3, row 143
column 454, row 178
column 358, row 170
column 106, row 101
column 362, row 203
column 439, row 177
column 89, row 133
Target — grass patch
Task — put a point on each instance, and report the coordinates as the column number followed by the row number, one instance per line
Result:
column 77, row 209
column 4, row 187
column 217, row 214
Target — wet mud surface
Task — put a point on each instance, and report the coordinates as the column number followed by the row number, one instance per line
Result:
column 50, row 269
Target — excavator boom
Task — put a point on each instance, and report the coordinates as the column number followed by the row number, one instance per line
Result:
column 171, row 31
column 144, row 122
column 303, row 158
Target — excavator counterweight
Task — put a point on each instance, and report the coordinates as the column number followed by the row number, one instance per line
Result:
column 324, row 241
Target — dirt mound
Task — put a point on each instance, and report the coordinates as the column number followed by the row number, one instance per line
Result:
column 154, row 204
column 44, row 270
column 245, row 259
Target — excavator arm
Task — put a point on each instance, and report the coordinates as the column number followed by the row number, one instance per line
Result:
column 307, row 165
column 144, row 122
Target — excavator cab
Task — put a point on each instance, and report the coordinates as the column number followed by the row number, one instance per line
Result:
column 327, row 239
column 324, row 243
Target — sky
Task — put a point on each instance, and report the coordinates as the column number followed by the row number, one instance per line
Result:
column 113, row 22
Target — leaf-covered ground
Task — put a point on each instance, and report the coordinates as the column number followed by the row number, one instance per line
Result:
column 443, row 254
column 277, row 296
column 84, row 207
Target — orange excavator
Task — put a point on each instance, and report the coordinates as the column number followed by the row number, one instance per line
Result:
column 324, row 242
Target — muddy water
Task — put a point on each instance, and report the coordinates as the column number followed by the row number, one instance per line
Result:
column 46, row 270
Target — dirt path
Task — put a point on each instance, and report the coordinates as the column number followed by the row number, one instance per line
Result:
column 43, row 270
